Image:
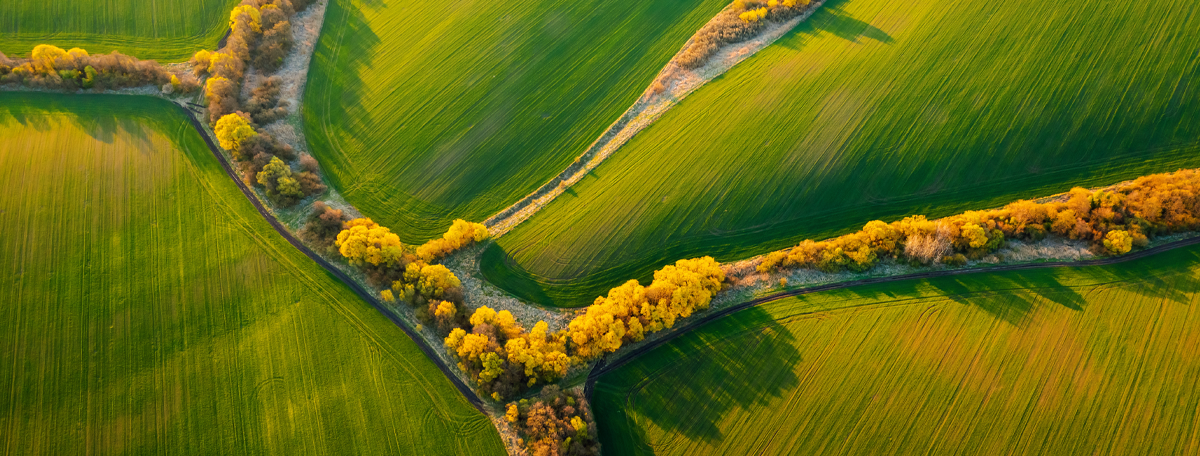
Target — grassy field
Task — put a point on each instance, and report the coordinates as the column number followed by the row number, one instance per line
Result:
column 170, row 30
column 148, row 309
column 1058, row 361
column 422, row 112
column 876, row 109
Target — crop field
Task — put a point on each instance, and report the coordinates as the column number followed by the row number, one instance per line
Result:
column 423, row 112
column 1055, row 361
column 876, row 109
column 170, row 30
column 148, row 309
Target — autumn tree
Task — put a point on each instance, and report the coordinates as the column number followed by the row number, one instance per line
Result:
column 232, row 131
column 364, row 242
column 461, row 234
column 276, row 177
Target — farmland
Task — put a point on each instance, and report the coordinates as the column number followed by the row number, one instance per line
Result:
column 423, row 112
column 169, row 30
column 1050, row 361
column 875, row 110
column 149, row 309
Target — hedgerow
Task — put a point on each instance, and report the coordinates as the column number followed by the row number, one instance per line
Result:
column 51, row 67
column 1114, row 221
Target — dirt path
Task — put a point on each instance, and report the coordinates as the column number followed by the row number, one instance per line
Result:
column 333, row 270
column 675, row 83
column 604, row 366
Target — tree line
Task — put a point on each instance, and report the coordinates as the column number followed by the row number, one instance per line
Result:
column 505, row 359
column 51, row 67
column 1113, row 220
column 260, row 37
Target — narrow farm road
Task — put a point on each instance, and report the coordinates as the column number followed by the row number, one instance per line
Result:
column 366, row 295
column 605, row 366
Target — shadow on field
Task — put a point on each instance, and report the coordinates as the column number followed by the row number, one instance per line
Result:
column 103, row 117
column 1013, row 295
column 831, row 18
column 682, row 404
column 341, row 57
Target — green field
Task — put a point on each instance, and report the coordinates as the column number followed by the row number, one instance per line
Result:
column 423, row 112
column 876, row 109
column 148, row 309
column 1057, row 361
column 170, row 30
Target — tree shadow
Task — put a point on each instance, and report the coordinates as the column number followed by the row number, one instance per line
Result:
column 833, row 19
column 103, row 117
column 682, row 405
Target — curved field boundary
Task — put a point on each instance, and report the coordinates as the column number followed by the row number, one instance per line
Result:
column 676, row 83
column 333, row 270
column 604, row 366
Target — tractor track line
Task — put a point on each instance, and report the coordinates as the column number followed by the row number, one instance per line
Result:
column 333, row 270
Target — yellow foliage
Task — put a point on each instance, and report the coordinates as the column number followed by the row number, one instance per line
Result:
column 1118, row 242
column 252, row 13
column 386, row 296
column 47, row 53
column 631, row 310
column 215, row 58
column 455, row 339
column 444, row 309
column 460, row 234
column 974, row 235
column 472, row 346
column 232, row 129
column 365, row 241
column 512, row 413
column 435, row 280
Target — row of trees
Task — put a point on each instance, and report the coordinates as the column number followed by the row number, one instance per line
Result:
column 260, row 37
column 743, row 20
column 505, row 359
column 502, row 356
column 1113, row 220
column 51, row 67
column 556, row 423
column 261, row 160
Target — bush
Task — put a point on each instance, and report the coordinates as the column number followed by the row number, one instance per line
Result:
column 461, row 234
column 555, row 423
column 322, row 227
column 1114, row 220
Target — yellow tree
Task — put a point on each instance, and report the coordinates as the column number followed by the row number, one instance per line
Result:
column 365, row 242
column 1118, row 242
column 233, row 129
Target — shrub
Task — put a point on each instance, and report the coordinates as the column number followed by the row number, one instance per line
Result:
column 461, row 234
column 1118, row 242
column 555, row 423
column 322, row 227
